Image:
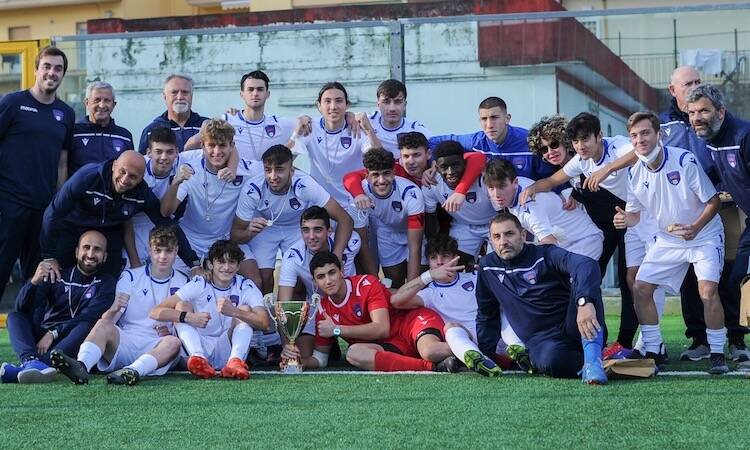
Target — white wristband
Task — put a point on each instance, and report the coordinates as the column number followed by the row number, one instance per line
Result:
column 426, row 277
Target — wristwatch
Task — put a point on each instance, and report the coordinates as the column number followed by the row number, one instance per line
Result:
column 337, row 331
column 582, row 301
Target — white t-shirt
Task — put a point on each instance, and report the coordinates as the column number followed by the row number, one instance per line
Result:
column 388, row 137
column 145, row 293
column 544, row 216
column 211, row 203
column 296, row 263
column 476, row 210
column 203, row 296
column 392, row 212
column 675, row 193
column 617, row 181
column 252, row 139
column 257, row 200
column 456, row 301
column 332, row 155
column 142, row 225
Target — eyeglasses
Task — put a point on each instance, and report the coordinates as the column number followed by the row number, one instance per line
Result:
column 554, row 145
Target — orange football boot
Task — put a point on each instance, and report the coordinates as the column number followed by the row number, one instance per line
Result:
column 200, row 367
column 235, row 368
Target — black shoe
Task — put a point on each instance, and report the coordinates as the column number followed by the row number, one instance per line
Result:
column 718, row 364
column 125, row 376
column 450, row 364
column 698, row 350
column 71, row 368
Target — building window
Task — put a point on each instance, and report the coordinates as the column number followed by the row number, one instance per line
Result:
column 19, row 33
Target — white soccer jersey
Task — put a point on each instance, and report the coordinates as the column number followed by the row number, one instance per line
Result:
column 257, row 200
column 456, row 301
column 296, row 263
column 211, row 203
column 544, row 216
column 142, row 225
column 332, row 155
column 203, row 296
column 391, row 213
column 675, row 193
column 476, row 210
column 388, row 137
column 254, row 138
column 617, row 181
column 145, row 293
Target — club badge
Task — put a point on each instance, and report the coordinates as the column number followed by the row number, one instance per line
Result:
column 235, row 299
column 471, row 197
column 397, row 206
column 346, row 141
column 294, row 203
column 530, row 276
column 674, row 177
column 732, row 160
column 58, row 114
column 271, row 130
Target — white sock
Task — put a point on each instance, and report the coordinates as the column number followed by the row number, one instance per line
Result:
column 144, row 365
column 89, row 354
column 507, row 333
column 716, row 339
column 651, row 338
column 459, row 341
column 241, row 340
column 190, row 339
column 660, row 300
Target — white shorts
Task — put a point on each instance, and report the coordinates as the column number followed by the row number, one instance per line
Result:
column 635, row 249
column 590, row 246
column 666, row 266
column 470, row 237
column 132, row 345
column 217, row 349
column 391, row 251
column 266, row 245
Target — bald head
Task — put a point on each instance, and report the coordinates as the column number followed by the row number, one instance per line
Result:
column 127, row 171
column 684, row 78
column 91, row 252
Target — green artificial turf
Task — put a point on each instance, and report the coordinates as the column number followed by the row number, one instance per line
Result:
column 381, row 411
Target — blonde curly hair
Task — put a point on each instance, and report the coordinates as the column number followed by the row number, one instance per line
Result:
column 551, row 128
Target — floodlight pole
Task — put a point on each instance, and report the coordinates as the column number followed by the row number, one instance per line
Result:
column 398, row 64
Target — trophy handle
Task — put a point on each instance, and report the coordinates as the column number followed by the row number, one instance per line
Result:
column 269, row 300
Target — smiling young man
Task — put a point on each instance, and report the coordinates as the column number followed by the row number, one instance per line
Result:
column 215, row 316
column 126, row 343
column 357, row 310
column 669, row 183
column 551, row 298
column 54, row 312
column 41, row 124
column 270, row 207
column 398, row 213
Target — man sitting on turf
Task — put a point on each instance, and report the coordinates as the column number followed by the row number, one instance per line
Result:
column 126, row 341
column 215, row 317
column 552, row 300
column 451, row 294
column 58, row 314
column 357, row 309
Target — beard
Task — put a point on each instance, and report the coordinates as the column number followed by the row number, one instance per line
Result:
column 180, row 108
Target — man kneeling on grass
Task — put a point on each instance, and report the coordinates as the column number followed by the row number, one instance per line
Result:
column 552, row 300
column 126, row 343
column 357, row 309
column 215, row 316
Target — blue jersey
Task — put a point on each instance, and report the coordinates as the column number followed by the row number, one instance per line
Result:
column 514, row 148
column 72, row 299
column 677, row 132
column 534, row 291
column 191, row 128
column 88, row 201
column 32, row 136
column 94, row 144
column 730, row 149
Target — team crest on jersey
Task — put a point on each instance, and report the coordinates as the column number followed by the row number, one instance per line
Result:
column 530, row 276
column 519, row 163
column 294, row 203
column 235, row 299
column 397, row 206
column 58, row 114
column 173, row 291
column 732, row 159
column 674, row 177
column 118, row 145
column 346, row 141
column 468, row 286
column 237, row 180
column 471, row 197
column 85, row 141
column 357, row 309
column 271, row 130
column 90, row 292
column 127, row 210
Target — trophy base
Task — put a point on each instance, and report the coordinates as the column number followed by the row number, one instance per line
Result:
column 292, row 370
